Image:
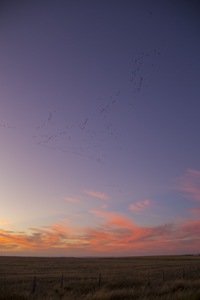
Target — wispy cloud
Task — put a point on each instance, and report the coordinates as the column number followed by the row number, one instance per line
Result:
column 113, row 234
column 5, row 222
column 188, row 233
column 140, row 205
column 98, row 195
column 73, row 199
column 104, row 206
column 189, row 183
column 195, row 210
column 114, row 219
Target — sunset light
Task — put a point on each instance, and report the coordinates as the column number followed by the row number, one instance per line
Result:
column 99, row 128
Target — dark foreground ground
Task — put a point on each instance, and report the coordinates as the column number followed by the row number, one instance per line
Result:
column 138, row 278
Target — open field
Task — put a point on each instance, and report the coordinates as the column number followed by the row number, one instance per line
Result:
column 141, row 278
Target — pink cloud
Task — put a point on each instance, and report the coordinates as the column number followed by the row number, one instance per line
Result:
column 194, row 172
column 188, row 234
column 189, row 183
column 114, row 219
column 140, row 205
column 114, row 234
column 73, row 199
column 119, row 233
column 104, row 206
column 195, row 210
column 98, row 195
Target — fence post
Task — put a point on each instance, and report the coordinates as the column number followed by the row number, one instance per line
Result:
column 183, row 274
column 148, row 282
column 34, row 284
column 61, row 283
column 99, row 279
column 163, row 276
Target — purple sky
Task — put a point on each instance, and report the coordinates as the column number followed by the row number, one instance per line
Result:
column 99, row 127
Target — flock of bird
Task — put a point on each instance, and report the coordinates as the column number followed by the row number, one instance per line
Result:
column 87, row 137
column 7, row 126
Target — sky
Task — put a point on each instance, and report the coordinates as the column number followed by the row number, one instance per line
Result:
column 99, row 127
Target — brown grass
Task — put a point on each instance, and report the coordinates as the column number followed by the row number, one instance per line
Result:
column 141, row 278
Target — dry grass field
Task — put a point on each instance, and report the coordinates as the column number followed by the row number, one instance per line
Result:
column 137, row 278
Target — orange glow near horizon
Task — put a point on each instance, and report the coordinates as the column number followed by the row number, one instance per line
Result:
column 117, row 235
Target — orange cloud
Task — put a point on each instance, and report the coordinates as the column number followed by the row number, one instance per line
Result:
column 140, row 205
column 54, row 236
column 120, row 234
column 114, row 234
column 114, row 219
column 6, row 223
column 189, row 183
column 97, row 195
